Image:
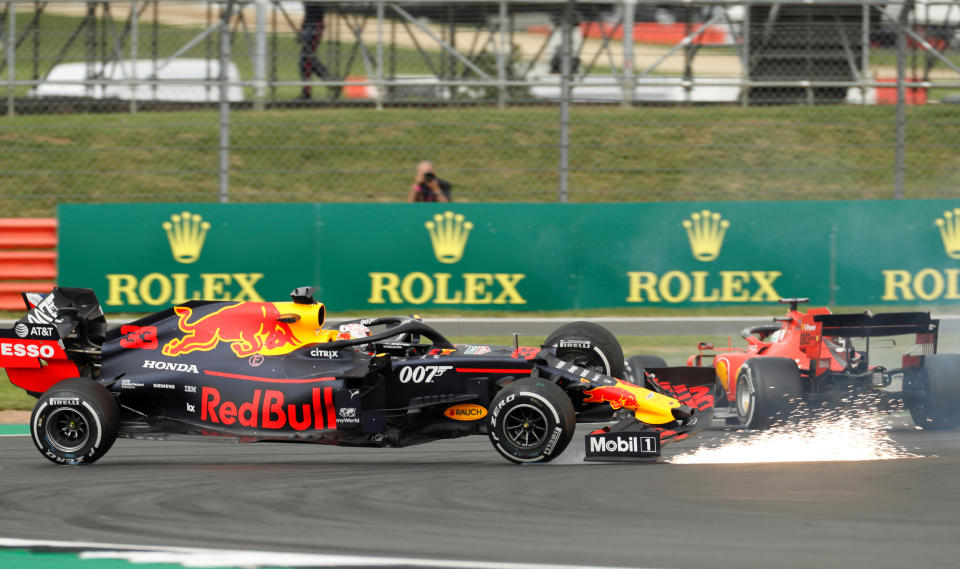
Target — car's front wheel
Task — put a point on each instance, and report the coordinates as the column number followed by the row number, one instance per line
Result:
column 767, row 390
column 75, row 422
column 531, row 420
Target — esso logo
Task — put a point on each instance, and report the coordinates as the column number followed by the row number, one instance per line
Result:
column 27, row 350
column 422, row 374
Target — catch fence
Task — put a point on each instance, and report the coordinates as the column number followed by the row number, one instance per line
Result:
column 586, row 101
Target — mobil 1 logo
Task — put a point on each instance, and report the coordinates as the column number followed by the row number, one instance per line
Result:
column 622, row 445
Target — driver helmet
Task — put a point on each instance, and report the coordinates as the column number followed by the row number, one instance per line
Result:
column 353, row 330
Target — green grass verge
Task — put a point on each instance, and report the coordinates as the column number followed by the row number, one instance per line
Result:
column 351, row 155
column 12, row 398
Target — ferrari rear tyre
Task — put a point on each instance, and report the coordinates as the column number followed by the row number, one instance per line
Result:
column 75, row 422
column 636, row 364
column 531, row 420
column 589, row 346
column 940, row 408
column 767, row 390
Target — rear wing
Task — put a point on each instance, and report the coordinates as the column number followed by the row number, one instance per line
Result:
column 59, row 337
column 885, row 324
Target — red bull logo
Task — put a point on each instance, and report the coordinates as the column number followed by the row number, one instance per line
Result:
column 616, row 395
column 250, row 328
column 268, row 409
column 648, row 406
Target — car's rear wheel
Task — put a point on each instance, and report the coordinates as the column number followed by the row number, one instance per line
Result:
column 75, row 422
column 531, row 420
column 940, row 408
column 589, row 346
column 767, row 390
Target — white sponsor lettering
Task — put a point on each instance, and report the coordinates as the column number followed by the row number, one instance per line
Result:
column 64, row 401
column 553, row 441
column 164, row 386
column 621, row 444
column 191, row 408
column 575, row 344
column 347, row 415
column 46, row 331
column 170, row 366
column 422, row 374
column 318, row 353
column 44, row 313
column 189, row 388
column 26, row 350
column 128, row 384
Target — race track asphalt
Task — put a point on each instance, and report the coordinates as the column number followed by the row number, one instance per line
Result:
column 460, row 500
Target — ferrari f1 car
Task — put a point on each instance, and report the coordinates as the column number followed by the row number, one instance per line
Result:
column 268, row 371
column 832, row 359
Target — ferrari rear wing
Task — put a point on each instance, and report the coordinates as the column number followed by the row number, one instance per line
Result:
column 885, row 324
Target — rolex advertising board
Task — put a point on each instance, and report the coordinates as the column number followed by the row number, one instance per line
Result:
column 144, row 257
column 404, row 257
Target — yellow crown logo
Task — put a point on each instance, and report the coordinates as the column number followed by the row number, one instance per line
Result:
column 448, row 233
column 705, row 230
column 186, row 232
column 949, row 226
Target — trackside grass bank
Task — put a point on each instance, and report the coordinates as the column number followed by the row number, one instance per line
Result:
column 359, row 154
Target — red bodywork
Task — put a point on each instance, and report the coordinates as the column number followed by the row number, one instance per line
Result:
column 36, row 372
column 799, row 337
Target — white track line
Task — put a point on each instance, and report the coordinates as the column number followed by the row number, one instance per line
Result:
column 202, row 557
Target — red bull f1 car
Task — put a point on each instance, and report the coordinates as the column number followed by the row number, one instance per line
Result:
column 821, row 359
column 270, row 371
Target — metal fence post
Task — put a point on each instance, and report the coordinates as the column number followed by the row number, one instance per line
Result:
column 629, row 14
column 745, row 57
column 566, row 66
column 134, row 53
column 865, row 54
column 260, row 57
column 899, row 168
column 380, row 85
column 11, row 57
column 224, row 165
column 502, row 56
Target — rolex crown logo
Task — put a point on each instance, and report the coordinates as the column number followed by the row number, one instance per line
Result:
column 705, row 230
column 448, row 233
column 186, row 232
column 949, row 226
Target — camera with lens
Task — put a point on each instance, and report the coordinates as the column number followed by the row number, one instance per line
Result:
column 429, row 177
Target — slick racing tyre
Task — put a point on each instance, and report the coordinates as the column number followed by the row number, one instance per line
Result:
column 767, row 390
column 589, row 346
column 636, row 364
column 940, row 408
column 75, row 422
column 531, row 420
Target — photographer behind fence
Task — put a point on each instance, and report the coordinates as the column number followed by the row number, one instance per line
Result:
column 427, row 187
